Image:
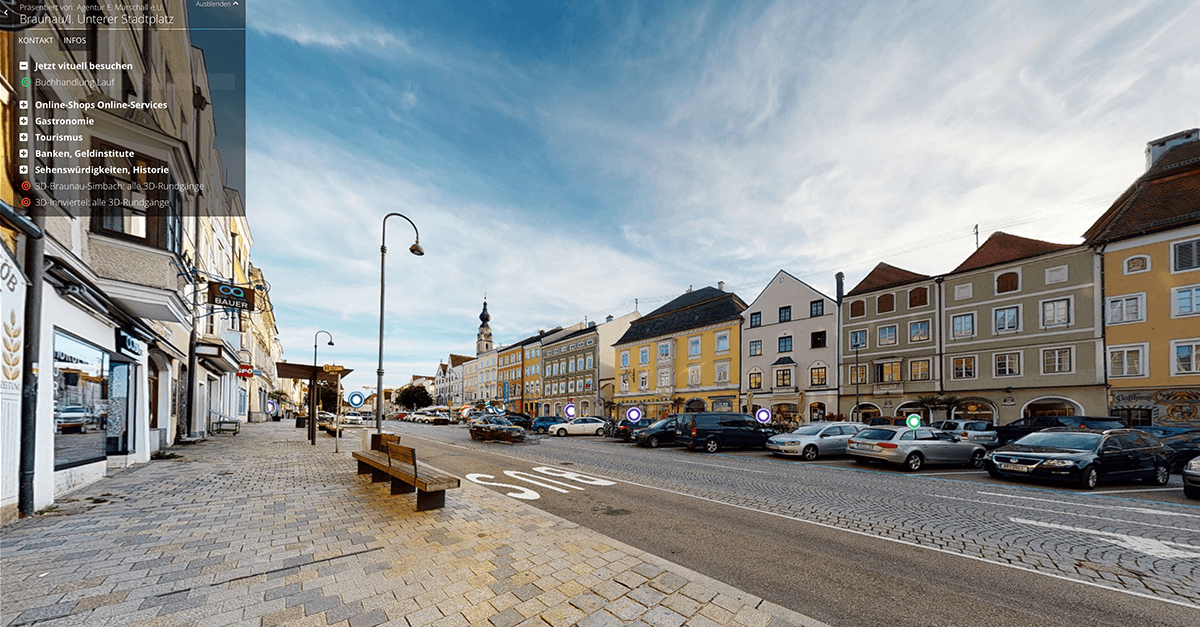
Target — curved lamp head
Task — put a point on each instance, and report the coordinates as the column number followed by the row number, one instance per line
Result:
column 331, row 342
column 416, row 249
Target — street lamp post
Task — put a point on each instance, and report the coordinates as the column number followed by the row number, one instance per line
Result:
column 418, row 251
column 312, row 391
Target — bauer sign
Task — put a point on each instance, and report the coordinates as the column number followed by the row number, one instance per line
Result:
column 226, row 295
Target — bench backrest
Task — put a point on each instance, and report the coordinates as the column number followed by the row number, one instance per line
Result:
column 404, row 455
column 379, row 441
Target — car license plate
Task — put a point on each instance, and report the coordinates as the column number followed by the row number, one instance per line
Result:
column 1013, row 467
column 860, row 445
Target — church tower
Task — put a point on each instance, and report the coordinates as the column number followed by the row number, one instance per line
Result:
column 483, row 341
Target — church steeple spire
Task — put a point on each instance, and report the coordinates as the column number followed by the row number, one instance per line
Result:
column 483, row 340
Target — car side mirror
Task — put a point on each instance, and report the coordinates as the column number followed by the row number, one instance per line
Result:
column 1110, row 449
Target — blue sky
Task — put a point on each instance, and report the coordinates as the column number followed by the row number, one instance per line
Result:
column 567, row 159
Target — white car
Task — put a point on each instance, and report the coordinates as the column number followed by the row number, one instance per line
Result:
column 352, row 418
column 580, row 426
column 814, row 440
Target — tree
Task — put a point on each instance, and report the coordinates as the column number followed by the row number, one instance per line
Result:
column 326, row 397
column 415, row 397
column 934, row 402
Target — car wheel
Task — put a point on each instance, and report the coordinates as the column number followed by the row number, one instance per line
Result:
column 600, row 431
column 1089, row 478
column 810, row 452
column 653, row 441
column 1161, row 476
column 914, row 461
column 562, row 432
column 541, row 430
column 976, row 460
column 712, row 446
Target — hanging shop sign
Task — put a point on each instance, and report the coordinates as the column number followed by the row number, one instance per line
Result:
column 128, row 345
column 229, row 295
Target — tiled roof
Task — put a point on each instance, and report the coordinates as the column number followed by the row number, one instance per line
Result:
column 784, row 361
column 1003, row 248
column 884, row 276
column 1166, row 197
column 691, row 310
column 458, row 360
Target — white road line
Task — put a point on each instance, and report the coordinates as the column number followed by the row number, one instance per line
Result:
column 1055, row 511
column 1140, row 510
column 875, row 536
column 1149, row 546
column 1136, row 490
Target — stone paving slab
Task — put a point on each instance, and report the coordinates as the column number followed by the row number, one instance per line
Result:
column 265, row 529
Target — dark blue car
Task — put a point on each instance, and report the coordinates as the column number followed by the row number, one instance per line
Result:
column 542, row 423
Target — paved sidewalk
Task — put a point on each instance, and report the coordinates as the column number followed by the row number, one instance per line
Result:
column 264, row 529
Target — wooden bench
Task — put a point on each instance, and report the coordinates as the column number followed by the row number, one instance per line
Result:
column 390, row 461
column 226, row 426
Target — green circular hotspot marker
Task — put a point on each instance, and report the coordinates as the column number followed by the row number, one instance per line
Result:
column 913, row 421
column 25, row 81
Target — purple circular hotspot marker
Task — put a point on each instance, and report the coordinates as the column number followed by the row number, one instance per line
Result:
column 763, row 415
column 634, row 414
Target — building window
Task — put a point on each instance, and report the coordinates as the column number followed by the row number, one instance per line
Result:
column 571, row 386
column 816, row 376
column 858, row 309
column 755, row 380
column 1138, row 264
column 664, row 378
column 887, row 373
column 723, row 342
column 694, row 375
column 664, row 350
column 918, row 331
column 644, row 355
column 1056, row 274
column 785, row 313
column 84, row 411
column 133, row 205
column 755, row 320
column 783, row 378
column 858, row 339
column 590, row 362
column 887, row 335
column 643, row 380
column 1056, row 312
column 624, row 383
column 963, row 292
column 918, row 370
column 1126, row 361
column 858, row 375
column 816, row 308
column 1186, row 255
column 755, row 348
column 694, row 347
column 1122, row 309
column 818, row 339
column 1056, row 360
column 587, row 384
column 1008, row 282
column 964, row 367
column 785, row 344
column 1008, row 364
column 1007, row 319
column 722, row 372
column 918, row 297
column 885, row 303
column 963, row 325
column 1186, row 301
column 1187, row 356
column 624, row 359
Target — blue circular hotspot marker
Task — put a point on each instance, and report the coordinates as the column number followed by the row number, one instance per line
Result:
column 763, row 415
column 634, row 414
column 913, row 421
column 272, row 406
column 356, row 399
column 570, row 410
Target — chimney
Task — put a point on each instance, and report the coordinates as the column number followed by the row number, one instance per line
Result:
column 1155, row 148
column 689, row 290
column 721, row 285
column 609, row 318
column 840, row 278
column 591, row 324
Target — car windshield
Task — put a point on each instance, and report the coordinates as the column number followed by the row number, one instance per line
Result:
column 661, row 424
column 808, row 430
column 1073, row 441
column 978, row 426
column 875, row 434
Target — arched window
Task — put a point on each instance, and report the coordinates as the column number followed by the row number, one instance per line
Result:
column 885, row 303
column 918, row 297
column 1007, row 282
column 858, row 309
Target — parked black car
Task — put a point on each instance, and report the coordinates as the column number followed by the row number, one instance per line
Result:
column 1018, row 428
column 716, row 430
column 1083, row 456
column 624, row 429
column 542, row 424
column 1186, row 447
column 496, row 428
column 525, row 421
column 1166, row 432
column 657, row 434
